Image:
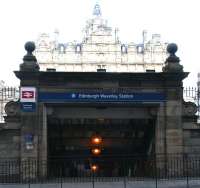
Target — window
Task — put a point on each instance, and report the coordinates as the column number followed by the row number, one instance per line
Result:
column 124, row 49
column 140, row 49
column 78, row 48
column 61, row 48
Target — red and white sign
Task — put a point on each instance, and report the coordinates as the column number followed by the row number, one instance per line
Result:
column 28, row 94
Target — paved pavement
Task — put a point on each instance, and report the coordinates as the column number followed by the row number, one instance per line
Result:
column 121, row 184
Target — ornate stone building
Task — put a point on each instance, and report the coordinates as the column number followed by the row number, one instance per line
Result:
column 132, row 111
column 100, row 49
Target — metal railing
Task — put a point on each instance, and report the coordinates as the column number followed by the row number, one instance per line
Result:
column 7, row 94
column 101, row 168
column 191, row 93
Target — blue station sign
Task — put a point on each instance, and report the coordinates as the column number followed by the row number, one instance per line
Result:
column 101, row 97
column 28, row 106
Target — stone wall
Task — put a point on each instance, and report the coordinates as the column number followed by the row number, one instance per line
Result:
column 191, row 135
column 9, row 143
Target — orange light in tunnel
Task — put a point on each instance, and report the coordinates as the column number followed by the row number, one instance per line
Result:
column 94, row 167
column 96, row 140
column 96, row 151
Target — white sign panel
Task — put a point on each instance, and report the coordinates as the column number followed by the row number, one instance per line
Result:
column 28, row 94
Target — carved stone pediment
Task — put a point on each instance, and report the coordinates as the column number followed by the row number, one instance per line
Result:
column 189, row 109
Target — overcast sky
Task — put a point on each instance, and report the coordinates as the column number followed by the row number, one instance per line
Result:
column 22, row 20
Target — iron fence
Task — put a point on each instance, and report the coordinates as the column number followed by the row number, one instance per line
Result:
column 7, row 94
column 101, row 168
column 191, row 93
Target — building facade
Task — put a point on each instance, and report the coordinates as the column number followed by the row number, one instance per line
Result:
column 75, row 122
column 100, row 48
column 132, row 114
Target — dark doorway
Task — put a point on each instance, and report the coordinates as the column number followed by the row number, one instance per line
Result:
column 70, row 143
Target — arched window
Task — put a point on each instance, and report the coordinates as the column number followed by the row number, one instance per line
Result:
column 78, row 48
column 61, row 48
column 124, row 49
column 140, row 48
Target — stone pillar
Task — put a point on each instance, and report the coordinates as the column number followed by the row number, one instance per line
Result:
column 29, row 146
column 173, row 105
column 173, row 112
column 42, row 141
column 29, row 119
column 174, row 131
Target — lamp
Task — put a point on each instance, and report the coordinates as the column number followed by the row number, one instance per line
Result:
column 94, row 167
column 96, row 151
column 96, row 140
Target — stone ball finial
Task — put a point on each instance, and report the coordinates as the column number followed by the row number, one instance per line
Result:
column 172, row 48
column 29, row 47
column 29, row 60
column 172, row 62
